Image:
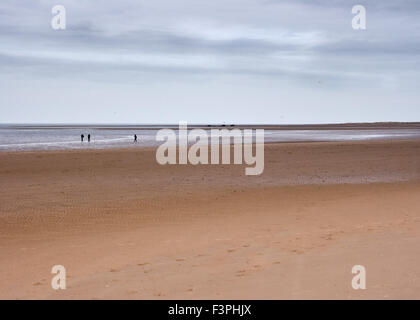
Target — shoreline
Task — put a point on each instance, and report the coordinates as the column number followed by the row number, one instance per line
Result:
column 153, row 148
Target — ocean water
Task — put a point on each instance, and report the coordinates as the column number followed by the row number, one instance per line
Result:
column 61, row 138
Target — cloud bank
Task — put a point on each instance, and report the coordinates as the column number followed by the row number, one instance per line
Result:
column 209, row 61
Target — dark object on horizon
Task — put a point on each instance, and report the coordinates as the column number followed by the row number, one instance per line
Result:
column 89, row 137
column 81, row 137
column 135, row 138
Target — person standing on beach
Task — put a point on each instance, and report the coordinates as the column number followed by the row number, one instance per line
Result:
column 135, row 138
column 89, row 137
column 81, row 137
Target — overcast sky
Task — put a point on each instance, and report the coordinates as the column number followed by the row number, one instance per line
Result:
column 232, row 61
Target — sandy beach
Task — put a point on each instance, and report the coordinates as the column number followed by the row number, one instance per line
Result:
column 126, row 227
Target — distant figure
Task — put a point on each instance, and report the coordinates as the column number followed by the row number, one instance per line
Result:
column 81, row 137
column 89, row 137
column 135, row 138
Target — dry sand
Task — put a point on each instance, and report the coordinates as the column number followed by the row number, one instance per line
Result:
column 126, row 227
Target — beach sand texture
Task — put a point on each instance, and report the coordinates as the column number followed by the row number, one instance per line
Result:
column 126, row 227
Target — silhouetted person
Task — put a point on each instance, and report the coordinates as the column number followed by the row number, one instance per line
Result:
column 81, row 137
column 89, row 137
column 135, row 138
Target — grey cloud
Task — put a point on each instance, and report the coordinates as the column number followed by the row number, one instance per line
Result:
column 294, row 42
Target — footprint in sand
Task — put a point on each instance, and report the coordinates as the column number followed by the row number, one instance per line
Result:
column 329, row 237
column 240, row 274
column 132, row 291
column 297, row 251
column 40, row 283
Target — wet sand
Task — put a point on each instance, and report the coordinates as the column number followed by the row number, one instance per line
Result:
column 126, row 227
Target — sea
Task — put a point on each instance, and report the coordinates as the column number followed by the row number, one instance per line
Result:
column 63, row 137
